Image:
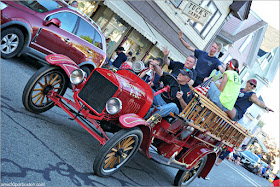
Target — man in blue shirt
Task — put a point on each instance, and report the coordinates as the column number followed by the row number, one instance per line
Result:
column 121, row 57
column 206, row 62
column 176, row 66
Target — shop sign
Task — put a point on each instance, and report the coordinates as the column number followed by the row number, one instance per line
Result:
column 196, row 12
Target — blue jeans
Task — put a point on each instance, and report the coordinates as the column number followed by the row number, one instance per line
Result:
column 214, row 94
column 164, row 108
column 110, row 63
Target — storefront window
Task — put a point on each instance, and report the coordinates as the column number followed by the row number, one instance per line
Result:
column 137, row 44
column 104, row 18
column 87, row 7
column 113, row 27
column 154, row 53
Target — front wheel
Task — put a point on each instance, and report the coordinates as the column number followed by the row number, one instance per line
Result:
column 184, row 178
column 117, row 151
column 12, row 40
column 34, row 97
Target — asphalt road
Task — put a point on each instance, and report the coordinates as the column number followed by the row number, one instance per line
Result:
column 48, row 149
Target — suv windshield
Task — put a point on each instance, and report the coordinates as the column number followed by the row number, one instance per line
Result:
column 251, row 155
column 42, row 6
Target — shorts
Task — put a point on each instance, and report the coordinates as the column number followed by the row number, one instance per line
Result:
column 214, row 94
column 235, row 156
column 236, row 117
column 224, row 154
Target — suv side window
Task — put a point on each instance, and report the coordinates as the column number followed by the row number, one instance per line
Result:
column 98, row 40
column 68, row 20
column 85, row 31
column 88, row 33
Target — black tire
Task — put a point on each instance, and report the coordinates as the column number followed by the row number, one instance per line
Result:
column 113, row 149
column 12, row 40
column 45, row 79
column 184, row 178
column 86, row 69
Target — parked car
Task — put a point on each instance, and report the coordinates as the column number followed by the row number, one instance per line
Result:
column 39, row 28
column 250, row 161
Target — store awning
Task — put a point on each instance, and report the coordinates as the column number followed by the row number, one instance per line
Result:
column 137, row 22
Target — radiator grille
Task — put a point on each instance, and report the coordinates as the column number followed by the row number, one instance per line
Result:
column 97, row 91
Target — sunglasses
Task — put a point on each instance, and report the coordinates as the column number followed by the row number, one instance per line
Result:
column 252, row 84
column 186, row 70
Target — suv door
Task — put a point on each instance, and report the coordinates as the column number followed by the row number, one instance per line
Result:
column 53, row 39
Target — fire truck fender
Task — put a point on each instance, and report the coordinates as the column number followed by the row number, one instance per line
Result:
column 133, row 120
column 62, row 61
column 195, row 153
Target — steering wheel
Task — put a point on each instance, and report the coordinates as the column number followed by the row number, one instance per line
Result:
column 173, row 83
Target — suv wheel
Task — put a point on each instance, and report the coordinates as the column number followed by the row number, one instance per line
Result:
column 11, row 42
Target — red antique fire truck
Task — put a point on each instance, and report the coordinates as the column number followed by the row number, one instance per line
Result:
column 117, row 101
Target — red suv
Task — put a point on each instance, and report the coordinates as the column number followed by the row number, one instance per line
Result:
column 39, row 28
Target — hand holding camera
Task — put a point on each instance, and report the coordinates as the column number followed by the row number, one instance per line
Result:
column 149, row 73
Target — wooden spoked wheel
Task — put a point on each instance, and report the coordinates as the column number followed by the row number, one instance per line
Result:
column 44, row 80
column 117, row 151
column 184, row 178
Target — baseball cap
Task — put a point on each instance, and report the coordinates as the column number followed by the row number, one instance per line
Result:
column 186, row 71
column 254, row 81
column 120, row 49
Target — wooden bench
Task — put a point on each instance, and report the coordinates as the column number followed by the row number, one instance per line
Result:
column 204, row 115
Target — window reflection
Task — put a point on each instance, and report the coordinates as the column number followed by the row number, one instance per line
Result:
column 67, row 19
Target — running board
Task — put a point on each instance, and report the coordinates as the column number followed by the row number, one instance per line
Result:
column 163, row 160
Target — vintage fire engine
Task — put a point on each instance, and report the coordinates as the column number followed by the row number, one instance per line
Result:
column 117, row 101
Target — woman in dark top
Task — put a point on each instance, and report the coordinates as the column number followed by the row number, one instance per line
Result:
column 245, row 99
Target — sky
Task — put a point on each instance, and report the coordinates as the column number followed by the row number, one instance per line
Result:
column 269, row 12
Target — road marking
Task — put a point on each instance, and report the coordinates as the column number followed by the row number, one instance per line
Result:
column 243, row 175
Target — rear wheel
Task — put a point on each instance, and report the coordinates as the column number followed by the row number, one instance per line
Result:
column 12, row 40
column 117, row 151
column 184, row 178
column 34, row 97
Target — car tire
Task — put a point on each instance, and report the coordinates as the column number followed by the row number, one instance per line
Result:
column 117, row 151
column 86, row 69
column 12, row 40
column 184, row 178
column 45, row 79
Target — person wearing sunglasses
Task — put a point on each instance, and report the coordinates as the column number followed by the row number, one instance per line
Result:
column 245, row 99
column 224, row 95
